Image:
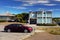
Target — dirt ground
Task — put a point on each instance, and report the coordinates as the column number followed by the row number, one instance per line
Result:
column 44, row 36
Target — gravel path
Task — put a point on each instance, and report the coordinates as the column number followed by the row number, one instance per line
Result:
column 44, row 36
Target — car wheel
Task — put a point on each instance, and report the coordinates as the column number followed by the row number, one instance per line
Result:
column 25, row 31
column 8, row 30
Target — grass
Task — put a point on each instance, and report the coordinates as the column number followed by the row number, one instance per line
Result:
column 55, row 31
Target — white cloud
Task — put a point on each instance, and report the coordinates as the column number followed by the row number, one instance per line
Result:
column 17, row 7
column 21, row 7
column 33, row 1
column 50, row 10
column 27, row 5
column 49, row 4
column 30, row 10
column 56, row 0
column 53, row 9
column 56, row 9
column 40, row 9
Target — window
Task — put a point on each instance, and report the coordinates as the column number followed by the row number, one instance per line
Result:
column 39, row 20
column 39, row 15
column 44, row 20
column 44, row 14
column 48, row 20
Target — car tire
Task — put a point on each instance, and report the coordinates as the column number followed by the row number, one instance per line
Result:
column 8, row 30
column 25, row 31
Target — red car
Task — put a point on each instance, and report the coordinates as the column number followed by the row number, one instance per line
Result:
column 17, row 28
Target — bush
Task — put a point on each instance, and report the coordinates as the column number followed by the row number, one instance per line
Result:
column 46, row 24
column 55, row 31
column 52, row 30
column 2, row 20
column 23, row 21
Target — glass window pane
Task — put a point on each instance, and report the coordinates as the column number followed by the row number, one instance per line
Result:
column 39, row 20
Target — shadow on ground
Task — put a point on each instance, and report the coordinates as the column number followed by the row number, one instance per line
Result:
column 11, row 32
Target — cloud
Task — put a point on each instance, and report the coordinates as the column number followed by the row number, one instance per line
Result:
column 53, row 9
column 33, row 1
column 56, row 9
column 50, row 10
column 27, row 5
column 40, row 9
column 56, row 0
column 16, row 7
column 49, row 4
column 44, row 9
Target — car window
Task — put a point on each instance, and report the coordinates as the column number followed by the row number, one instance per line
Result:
column 10, row 25
column 20, row 25
column 15, row 25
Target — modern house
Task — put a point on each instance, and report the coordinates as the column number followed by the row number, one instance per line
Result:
column 40, row 17
column 7, row 16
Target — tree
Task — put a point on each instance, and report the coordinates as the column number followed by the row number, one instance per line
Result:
column 23, row 17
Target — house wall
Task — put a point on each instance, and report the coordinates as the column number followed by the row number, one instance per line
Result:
column 32, row 18
column 5, row 17
column 42, row 17
column 33, row 15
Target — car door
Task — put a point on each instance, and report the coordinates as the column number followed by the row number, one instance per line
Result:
column 15, row 28
column 20, row 28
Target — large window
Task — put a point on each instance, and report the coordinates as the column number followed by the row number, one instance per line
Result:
column 49, row 15
column 33, row 15
column 39, row 20
column 44, row 20
column 49, row 20
column 39, row 15
column 44, row 14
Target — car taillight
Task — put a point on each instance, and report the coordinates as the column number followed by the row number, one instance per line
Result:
column 30, row 28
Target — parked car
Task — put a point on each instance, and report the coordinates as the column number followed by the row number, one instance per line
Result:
column 17, row 28
column 13, row 21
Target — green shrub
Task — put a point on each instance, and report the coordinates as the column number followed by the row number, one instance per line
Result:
column 52, row 30
column 46, row 24
column 55, row 31
column 23, row 21
column 2, row 20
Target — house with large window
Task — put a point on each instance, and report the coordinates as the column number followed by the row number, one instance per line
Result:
column 7, row 16
column 40, row 17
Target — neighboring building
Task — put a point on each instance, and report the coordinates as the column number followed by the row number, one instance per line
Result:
column 56, row 20
column 40, row 17
column 7, row 16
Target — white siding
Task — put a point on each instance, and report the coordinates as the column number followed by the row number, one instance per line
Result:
column 39, row 20
column 39, row 15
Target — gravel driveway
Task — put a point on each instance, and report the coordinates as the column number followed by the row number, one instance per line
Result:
column 44, row 36
column 11, row 36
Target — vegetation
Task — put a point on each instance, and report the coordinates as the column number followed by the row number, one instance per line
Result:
column 46, row 24
column 53, row 30
column 2, row 20
column 56, row 19
column 23, row 17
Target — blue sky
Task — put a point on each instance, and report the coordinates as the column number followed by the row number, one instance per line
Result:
column 19, row 6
